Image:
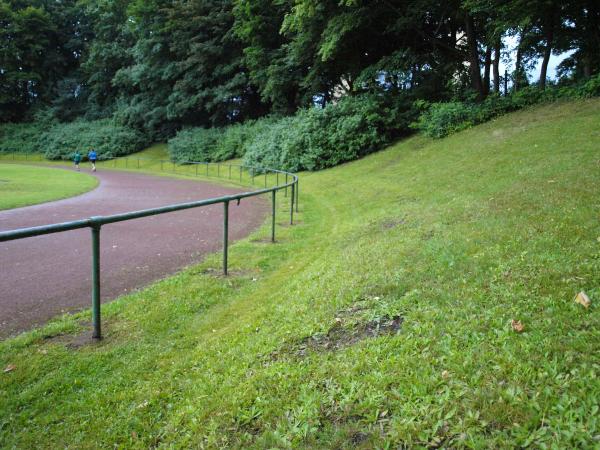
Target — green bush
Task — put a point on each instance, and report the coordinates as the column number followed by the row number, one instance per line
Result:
column 236, row 138
column 318, row 138
column 313, row 139
column 107, row 138
column 441, row 119
column 22, row 137
column 215, row 144
column 194, row 144
column 60, row 140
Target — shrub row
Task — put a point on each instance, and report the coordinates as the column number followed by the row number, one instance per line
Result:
column 441, row 119
column 313, row 139
column 215, row 144
column 317, row 138
column 60, row 140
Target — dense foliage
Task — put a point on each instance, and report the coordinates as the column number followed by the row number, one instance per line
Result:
column 216, row 144
column 441, row 119
column 318, row 138
column 160, row 66
column 104, row 136
column 312, row 139
column 60, row 140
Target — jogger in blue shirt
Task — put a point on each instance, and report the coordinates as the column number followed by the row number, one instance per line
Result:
column 92, row 156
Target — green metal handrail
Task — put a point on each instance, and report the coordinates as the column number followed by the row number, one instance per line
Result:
column 95, row 223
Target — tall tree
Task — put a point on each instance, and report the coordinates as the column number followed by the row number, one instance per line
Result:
column 108, row 52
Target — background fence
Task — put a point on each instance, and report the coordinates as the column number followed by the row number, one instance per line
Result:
column 273, row 181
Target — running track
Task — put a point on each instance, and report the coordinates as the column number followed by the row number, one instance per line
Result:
column 43, row 276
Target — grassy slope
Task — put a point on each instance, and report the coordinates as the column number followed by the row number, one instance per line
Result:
column 459, row 236
column 27, row 185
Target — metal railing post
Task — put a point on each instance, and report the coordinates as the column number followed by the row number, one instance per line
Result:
column 277, row 184
column 297, row 193
column 286, row 180
column 218, row 170
column 265, row 178
column 240, row 174
column 273, row 201
column 292, row 206
column 96, row 282
column 95, row 224
column 230, row 171
column 207, row 169
column 225, row 235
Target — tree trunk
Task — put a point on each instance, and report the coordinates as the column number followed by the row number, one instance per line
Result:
column 549, row 35
column 497, row 48
column 518, row 78
column 474, row 57
column 592, row 51
column 486, row 70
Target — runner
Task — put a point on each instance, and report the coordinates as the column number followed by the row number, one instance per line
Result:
column 92, row 156
column 77, row 159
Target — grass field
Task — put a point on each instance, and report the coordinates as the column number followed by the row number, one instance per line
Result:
column 22, row 185
column 381, row 320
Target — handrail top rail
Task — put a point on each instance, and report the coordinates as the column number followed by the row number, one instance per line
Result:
column 98, row 221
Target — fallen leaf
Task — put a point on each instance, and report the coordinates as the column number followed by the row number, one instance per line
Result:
column 134, row 435
column 583, row 299
column 517, row 326
column 445, row 374
column 9, row 368
column 338, row 320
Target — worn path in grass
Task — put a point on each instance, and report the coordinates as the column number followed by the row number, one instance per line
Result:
column 48, row 275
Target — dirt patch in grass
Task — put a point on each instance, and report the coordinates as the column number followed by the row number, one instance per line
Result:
column 393, row 222
column 74, row 341
column 231, row 273
column 265, row 240
column 340, row 336
column 359, row 437
column 428, row 235
column 287, row 223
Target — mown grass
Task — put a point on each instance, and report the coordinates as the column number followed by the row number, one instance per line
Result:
column 458, row 237
column 22, row 185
